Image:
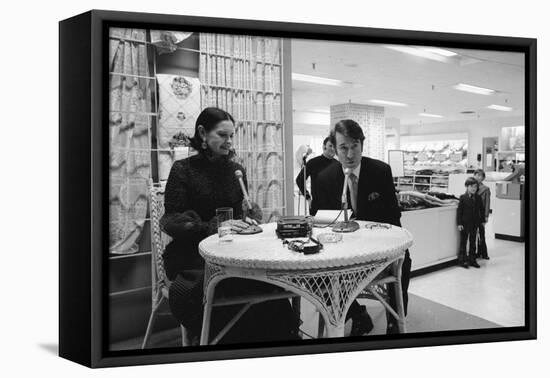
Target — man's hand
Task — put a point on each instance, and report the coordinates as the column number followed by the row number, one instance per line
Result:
column 253, row 212
column 460, row 227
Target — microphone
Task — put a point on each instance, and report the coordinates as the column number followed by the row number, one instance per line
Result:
column 347, row 171
column 239, row 176
column 307, row 153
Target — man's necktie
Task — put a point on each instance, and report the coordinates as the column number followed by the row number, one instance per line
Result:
column 353, row 191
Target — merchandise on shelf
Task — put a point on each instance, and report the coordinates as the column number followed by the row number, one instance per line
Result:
column 243, row 75
column 413, row 200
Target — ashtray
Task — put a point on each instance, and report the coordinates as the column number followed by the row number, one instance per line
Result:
column 376, row 225
column 329, row 237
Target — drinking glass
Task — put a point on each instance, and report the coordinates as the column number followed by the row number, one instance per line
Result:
column 224, row 216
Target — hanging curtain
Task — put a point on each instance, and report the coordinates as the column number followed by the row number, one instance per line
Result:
column 129, row 126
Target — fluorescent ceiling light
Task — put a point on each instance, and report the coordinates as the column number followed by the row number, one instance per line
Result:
column 418, row 52
column 501, row 108
column 320, row 110
column 435, row 50
column 389, row 103
column 474, row 89
column 316, row 79
column 430, row 115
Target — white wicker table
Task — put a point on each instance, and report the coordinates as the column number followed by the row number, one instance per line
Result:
column 330, row 279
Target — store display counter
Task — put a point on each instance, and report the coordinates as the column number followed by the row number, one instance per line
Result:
column 435, row 234
column 509, row 212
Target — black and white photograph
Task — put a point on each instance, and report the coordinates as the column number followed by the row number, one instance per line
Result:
column 287, row 190
column 276, row 190
column 282, row 189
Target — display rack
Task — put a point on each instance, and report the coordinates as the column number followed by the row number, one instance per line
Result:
column 240, row 74
column 502, row 157
column 243, row 75
column 422, row 183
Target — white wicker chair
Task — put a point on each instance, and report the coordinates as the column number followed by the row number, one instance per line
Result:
column 159, row 282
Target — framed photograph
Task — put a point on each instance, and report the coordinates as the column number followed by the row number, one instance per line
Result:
column 234, row 188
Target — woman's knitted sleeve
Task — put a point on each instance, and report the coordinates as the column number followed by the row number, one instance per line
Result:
column 179, row 219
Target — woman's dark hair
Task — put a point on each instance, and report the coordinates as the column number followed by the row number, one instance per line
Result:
column 349, row 128
column 209, row 119
column 470, row 181
column 327, row 139
column 480, row 171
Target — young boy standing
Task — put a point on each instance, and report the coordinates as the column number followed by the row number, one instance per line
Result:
column 469, row 217
column 485, row 193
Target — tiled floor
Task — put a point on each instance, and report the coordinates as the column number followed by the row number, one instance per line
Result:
column 494, row 292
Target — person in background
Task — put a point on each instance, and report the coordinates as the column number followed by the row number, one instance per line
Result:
column 313, row 167
column 485, row 193
column 197, row 186
column 469, row 216
column 372, row 198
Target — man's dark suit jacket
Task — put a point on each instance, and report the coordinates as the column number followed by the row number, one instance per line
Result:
column 313, row 168
column 470, row 212
column 376, row 198
column 376, row 202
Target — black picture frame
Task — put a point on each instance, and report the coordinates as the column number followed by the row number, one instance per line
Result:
column 83, row 184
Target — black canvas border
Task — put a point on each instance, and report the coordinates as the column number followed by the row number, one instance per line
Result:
column 75, row 185
column 83, row 261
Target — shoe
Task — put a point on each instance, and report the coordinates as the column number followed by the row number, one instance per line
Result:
column 361, row 323
column 464, row 265
column 474, row 264
column 485, row 257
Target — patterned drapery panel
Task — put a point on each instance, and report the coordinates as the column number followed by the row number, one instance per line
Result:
column 178, row 109
column 129, row 127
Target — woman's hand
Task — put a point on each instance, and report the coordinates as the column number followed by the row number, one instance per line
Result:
column 254, row 212
column 238, row 225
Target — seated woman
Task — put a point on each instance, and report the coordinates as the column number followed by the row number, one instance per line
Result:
column 196, row 187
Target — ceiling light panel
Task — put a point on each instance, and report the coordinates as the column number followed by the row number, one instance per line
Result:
column 388, row 103
column 500, row 107
column 474, row 89
column 430, row 115
column 420, row 52
column 438, row 51
column 316, row 80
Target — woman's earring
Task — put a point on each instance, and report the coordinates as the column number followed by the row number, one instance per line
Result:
column 203, row 145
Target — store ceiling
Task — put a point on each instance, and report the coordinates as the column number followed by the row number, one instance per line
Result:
column 376, row 72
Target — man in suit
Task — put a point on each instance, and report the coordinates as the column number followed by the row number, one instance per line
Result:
column 313, row 167
column 372, row 198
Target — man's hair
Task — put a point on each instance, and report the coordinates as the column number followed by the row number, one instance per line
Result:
column 470, row 181
column 480, row 171
column 349, row 128
column 327, row 139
